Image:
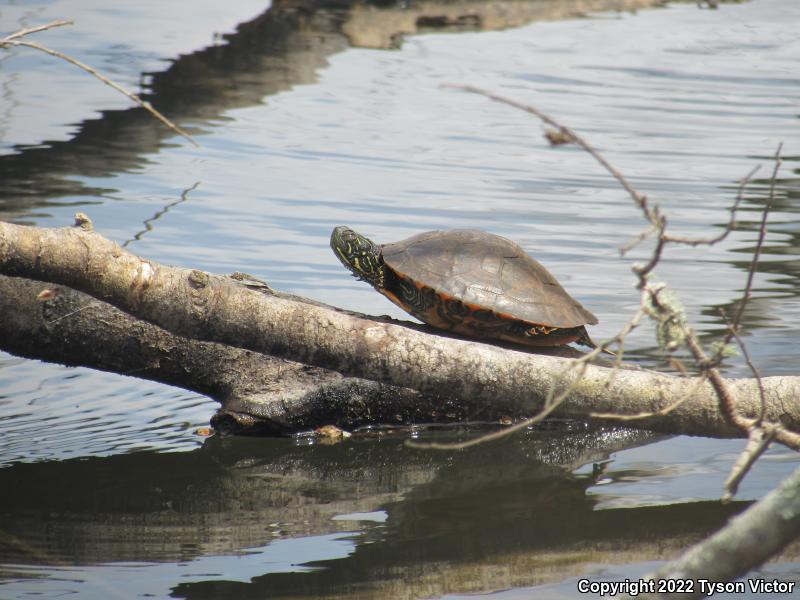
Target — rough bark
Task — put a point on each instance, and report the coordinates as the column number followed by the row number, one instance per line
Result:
column 197, row 305
column 258, row 393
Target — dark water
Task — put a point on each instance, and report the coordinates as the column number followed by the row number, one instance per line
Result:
column 106, row 490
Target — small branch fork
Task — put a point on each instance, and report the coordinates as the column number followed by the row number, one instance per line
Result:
column 659, row 303
column 15, row 39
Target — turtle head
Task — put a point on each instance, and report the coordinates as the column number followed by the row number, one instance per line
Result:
column 359, row 254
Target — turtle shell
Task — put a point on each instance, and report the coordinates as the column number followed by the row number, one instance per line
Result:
column 484, row 274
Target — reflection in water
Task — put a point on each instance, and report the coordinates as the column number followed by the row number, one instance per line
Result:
column 148, row 223
column 380, row 519
column 285, row 46
column 270, row 53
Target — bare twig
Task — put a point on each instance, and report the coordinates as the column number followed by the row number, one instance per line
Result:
column 751, row 365
column 762, row 234
column 29, row 30
column 728, row 404
column 638, row 198
column 673, row 328
column 642, row 271
column 757, row 443
column 487, row 437
column 659, row 413
column 758, row 438
column 14, row 40
column 625, row 248
column 731, row 222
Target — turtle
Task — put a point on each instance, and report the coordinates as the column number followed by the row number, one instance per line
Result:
column 469, row 282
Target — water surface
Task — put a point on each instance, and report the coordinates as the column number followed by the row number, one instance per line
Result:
column 299, row 133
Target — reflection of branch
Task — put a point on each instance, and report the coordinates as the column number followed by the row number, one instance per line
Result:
column 14, row 40
column 84, row 222
column 147, row 223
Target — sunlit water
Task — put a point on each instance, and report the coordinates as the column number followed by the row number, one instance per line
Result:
column 684, row 101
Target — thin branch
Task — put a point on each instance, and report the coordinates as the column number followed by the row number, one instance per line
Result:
column 757, row 443
column 762, row 234
column 731, row 222
column 29, row 30
column 747, row 541
column 673, row 328
column 565, row 131
column 627, row 247
column 13, row 40
column 488, row 437
column 751, row 365
column 659, row 413
column 642, row 271
column 727, row 403
column 759, row 439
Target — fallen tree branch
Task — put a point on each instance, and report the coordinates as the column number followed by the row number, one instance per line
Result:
column 197, row 305
column 258, row 393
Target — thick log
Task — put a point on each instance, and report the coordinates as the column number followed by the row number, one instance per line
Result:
column 198, row 305
column 258, row 393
